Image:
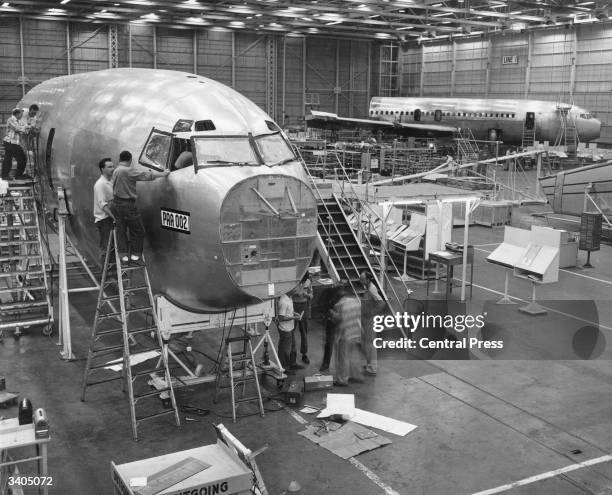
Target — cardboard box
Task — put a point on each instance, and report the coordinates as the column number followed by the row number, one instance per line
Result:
column 318, row 382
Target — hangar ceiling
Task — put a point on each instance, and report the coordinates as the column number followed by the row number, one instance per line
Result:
column 402, row 20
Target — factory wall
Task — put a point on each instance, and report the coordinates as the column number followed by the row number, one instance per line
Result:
column 278, row 73
column 560, row 64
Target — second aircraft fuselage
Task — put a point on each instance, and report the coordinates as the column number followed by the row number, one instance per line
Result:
column 489, row 119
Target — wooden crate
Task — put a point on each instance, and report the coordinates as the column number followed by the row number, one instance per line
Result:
column 492, row 213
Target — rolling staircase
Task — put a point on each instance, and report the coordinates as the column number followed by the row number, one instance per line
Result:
column 25, row 288
column 467, row 147
column 128, row 285
column 344, row 256
column 341, row 244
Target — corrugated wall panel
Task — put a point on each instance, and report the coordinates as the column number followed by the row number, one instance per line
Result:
column 551, row 62
column 593, row 82
column 45, row 56
column 359, row 101
column 508, row 80
column 175, row 49
column 344, row 78
column 321, row 71
column 438, row 66
column 215, row 55
column 470, row 68
column 549, row 76
column 10, row 89
column 45, row 49
column 251, row 67
column 142, row 46
column 410, row 69
column 89, row 45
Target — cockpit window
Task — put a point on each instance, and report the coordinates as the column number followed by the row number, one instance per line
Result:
column 156, row 151
column 586, row 116
column 218, row 151
column 274, row 149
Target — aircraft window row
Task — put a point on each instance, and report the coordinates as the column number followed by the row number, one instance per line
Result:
column 438, row 114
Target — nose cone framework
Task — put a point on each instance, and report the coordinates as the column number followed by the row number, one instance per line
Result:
column 268, row 229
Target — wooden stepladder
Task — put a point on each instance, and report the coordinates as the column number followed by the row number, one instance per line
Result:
column 238, row 366
column 127, row 286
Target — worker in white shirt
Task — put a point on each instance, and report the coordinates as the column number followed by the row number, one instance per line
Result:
column 286, row 319
column 103, row 195
column 15, row 129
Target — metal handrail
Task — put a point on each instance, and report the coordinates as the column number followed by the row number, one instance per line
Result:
column 328, row 229
column 371, row 247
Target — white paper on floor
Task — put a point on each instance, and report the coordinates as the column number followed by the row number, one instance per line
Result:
column 134, row 360
column 341, row 404
column 309, row 410
column 384, row 423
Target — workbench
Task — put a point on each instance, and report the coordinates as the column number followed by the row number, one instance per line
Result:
column 450, row 259
column 15, row 436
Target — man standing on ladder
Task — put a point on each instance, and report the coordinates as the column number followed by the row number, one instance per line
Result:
column 30, row 140
column 15, row 129
column 103, row 195
column 124, row 208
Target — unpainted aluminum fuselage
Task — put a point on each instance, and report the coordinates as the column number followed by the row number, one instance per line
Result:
column 92, row 115
column 483, row 116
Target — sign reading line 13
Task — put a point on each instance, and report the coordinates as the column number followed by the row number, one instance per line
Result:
column 509, row 59
column 175, row 220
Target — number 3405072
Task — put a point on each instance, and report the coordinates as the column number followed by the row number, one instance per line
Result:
column 30, row 481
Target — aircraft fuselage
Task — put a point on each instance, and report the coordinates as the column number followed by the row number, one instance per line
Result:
column 233, row 229
column 488, row 119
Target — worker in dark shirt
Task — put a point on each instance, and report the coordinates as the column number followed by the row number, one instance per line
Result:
column 127, row 216
column 328, row 299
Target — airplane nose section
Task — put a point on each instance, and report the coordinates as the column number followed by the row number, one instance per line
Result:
column 268, row 232
column 596, row 129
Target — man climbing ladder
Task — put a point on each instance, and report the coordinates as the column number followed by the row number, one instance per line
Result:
column 127, row 285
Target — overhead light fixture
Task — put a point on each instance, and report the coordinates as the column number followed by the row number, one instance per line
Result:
column 333, row 23
column 6, row 4
column 195, row 20
column 64, row 2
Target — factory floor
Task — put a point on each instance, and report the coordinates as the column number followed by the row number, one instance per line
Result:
column 484, row 425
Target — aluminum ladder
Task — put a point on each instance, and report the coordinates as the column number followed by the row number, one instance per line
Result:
column 25, row 291
column 528, row 137
column 129, row 285
column 239, row 366
column 567, row 135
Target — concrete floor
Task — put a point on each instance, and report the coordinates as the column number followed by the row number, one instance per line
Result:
column 481, row 423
